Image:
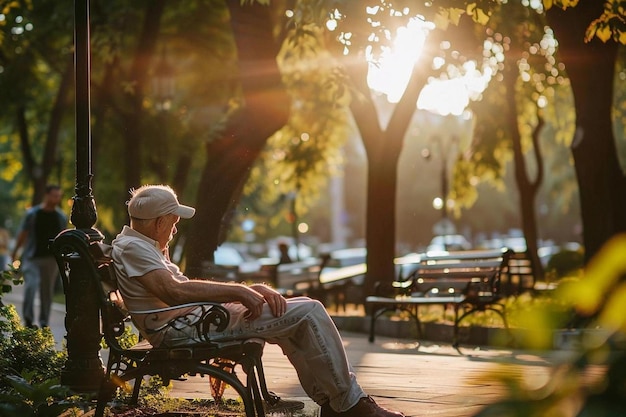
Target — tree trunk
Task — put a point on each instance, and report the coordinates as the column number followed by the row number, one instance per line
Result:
column 591, row 70
column 101, row 111
column 527, row 188
column 380, row 233
column 39, row 172
column 230, row 158
column 138, row 76
column 383, row 148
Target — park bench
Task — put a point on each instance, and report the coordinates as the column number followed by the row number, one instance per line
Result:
column 131, row 363
column 341, row 274
column 466, row 281
column 519, row 277
column 341, row 284
column 328, row 279
column 335, row 278
column 292, row 279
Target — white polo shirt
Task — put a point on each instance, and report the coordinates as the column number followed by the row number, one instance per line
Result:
column 134, row 255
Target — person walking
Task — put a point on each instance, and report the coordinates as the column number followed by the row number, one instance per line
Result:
column 5, row 257
column 301, row 326
column 40, row 224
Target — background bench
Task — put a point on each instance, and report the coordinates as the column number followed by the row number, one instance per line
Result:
column 342, row 275
column 466, row 281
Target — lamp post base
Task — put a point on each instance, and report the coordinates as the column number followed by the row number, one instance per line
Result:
column 83, row 375
column 83, row 370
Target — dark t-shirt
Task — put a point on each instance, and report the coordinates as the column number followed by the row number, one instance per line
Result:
column 46, row 228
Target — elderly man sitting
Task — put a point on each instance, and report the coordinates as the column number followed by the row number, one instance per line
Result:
column 300, row 326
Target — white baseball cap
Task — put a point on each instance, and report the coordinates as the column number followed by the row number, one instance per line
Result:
column 152, row 201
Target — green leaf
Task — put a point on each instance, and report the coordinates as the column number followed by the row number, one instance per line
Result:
column 604, row 33
column 454, row 15
column 442, row 20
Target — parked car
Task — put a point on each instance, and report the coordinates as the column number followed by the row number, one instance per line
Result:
column 448, row 243
column 229, row 264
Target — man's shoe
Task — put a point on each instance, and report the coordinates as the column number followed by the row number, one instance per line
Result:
column 366, row 407
column 283, row 406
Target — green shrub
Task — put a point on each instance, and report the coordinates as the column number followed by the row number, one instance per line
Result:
column 564, row 262
column 25, row 350
column 8, row 279
column 25, row 398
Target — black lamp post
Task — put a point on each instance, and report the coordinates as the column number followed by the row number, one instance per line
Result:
column 446, row 150
column 83, row 370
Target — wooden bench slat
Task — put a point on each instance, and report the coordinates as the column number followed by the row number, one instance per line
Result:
column 415, row 300
column 329, row 276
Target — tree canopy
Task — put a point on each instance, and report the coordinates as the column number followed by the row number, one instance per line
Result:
column 284, row 92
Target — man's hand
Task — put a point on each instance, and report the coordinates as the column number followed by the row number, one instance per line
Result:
column 253, row 300
column 276, row 302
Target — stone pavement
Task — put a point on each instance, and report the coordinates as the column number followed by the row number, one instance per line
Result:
column 419, row 379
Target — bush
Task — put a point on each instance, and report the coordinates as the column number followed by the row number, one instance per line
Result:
column 24, row 350
column 30, row 366
column 46, row 399
column 564, row 262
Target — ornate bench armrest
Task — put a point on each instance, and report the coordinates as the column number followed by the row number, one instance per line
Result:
column 203, row 316
column 180, row 306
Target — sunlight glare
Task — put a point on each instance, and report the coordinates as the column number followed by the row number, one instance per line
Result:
column 390, row 73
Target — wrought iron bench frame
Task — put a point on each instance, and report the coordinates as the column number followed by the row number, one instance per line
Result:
column 217, row 360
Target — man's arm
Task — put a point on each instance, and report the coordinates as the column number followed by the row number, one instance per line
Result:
column 19, row 242
column 161, row 283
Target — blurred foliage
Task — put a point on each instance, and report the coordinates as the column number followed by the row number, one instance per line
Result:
column 300, row 158
column 619, row 107
column 126, row 340
column 9, row 279
column 30, row 365
column 564, row 262
column 518, row 34
column 598, row 296
column 26, row 351
column 608, row 26
column 28, row 398
column 35, row 51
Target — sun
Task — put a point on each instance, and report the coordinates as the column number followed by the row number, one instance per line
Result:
column 390, row 74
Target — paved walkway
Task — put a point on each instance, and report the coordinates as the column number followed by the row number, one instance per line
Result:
column 424, row 379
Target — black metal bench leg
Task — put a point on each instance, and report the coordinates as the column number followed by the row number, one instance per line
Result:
column 107, row 387
column 256, row 384
column 136, row 388
column 268, row 396
column 418, row 323
column 414, row 313
column 457, row 320
column 232, row 380
column 255, row 392
column 502, row 313
column 105, row 394
column 375, row 315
